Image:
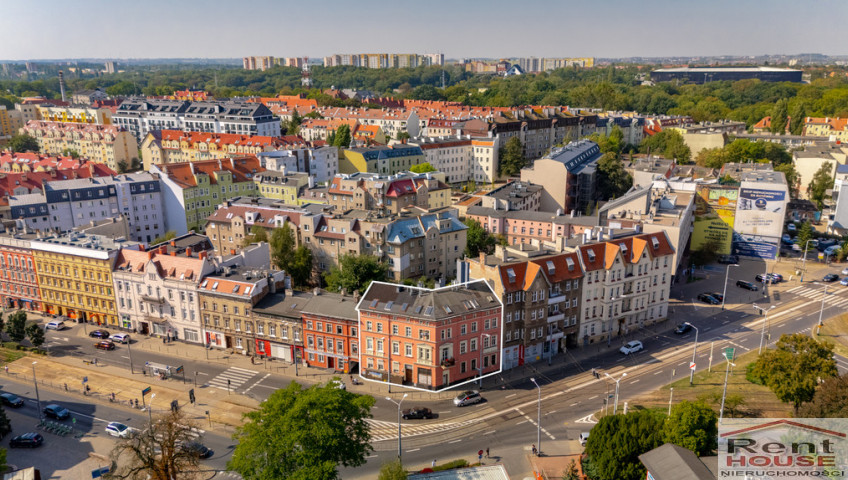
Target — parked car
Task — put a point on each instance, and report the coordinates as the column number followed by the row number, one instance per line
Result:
column 776, row 276
column 120, row 337
column 682, row 328
column 825, row 244
column 791, row 227
column 584, row 437
column 831, row 250
column 55, row 325
column 814, row 243
column 718, row 296
column 830, row 277
column 844, row 282
column 99, row 334
column 845, row 271
column 468, row 397
column 11, row 400
column 417, row 412
column 746, row 285
column 786, row 238
column 707, row 298
column 198, row 449
column 768, row 278
column 56, row 411
column 118, row 429
column 104, row 345
column 27, row 440
column 796, row 247
column 728, row 259
column 631, row 347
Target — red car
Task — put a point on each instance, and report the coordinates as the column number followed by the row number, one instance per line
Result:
column 105, row 345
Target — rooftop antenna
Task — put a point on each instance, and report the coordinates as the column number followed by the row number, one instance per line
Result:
column 62, row 84
column 305, row 75
column 443, row 79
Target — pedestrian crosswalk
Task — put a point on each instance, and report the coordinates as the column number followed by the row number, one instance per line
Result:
column 835, row 294
column 232, row 378
column 382, row 430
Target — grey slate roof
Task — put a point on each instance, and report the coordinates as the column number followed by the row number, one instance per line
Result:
column 427, row 304
column 670, row 462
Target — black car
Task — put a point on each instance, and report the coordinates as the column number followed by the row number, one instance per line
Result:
column 769, row 278
column 198, row 449
column 11, row 400
column 682, row 328
column 718, row 296
column 728, row 259
column 830, row 277
column 56, row 411
column 417, row 412
column 707, row 298
column 99, row 334
column 746, row 285
column 27, row 440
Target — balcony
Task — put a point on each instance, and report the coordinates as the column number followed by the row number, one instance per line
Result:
column 556, row 318
column 555, row 297
column 448, row 362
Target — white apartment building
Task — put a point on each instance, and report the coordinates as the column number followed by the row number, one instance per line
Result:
column 321, row 163
column 626, row 285
column 452, row 156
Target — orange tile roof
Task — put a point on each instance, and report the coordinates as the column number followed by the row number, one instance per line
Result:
column 169, row 266
column 561, row 271
column 194, row 138
column 242, row 169
column 519, row 269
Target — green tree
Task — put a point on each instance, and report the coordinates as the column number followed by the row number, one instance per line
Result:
column 303, row 434
column 356, row 272
column 35, row 334
column 632, row 434
column 477, row 239
column 821, row 182
column 70, row 152
column 392, row 471
column 401, row 136
column 733, row 402
column 571, row 472
column 16, row 326
column 793, row 179
column 282, row 245
column 422, row 168
column 511, row 158
column 257, row 234
column 779, row 116
column 794, row 368
column 796, row 119
column 612, row 143
column 667, row 143
column 164, row 237
column 613, row 180
column 23, row 143
column 156, row 452
column 805, row 233
column 341, row 137
column 292, row 126
column 5, row 428
column 692, row 425
column 829, row 401
column 300, row 267
column 122, row 89
column 426, row 92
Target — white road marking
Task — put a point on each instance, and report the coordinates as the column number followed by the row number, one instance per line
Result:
column 511, row 395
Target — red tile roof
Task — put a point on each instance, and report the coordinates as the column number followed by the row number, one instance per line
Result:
column 242, row 169
column 221, row 139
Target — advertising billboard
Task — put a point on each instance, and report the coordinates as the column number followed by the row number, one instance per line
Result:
column 715, row 209
column 756, row 246
column 760, row 211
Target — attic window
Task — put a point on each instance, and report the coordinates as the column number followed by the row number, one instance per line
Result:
column 388, row 306
column 203, row 285
column 447, row 309
column 551, row 267
column 570, row 264
column 236, row 288
column 591, row 255
column 429, row 311
column 373, row 303
column 623, row 248
column 418, row 309
column 655, row 242
column 511, row 274
column 215, row 286
column 403, row 307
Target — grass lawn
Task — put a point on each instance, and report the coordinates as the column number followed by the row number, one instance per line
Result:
column 708, row 386
column 8, row 355
column 835, row 331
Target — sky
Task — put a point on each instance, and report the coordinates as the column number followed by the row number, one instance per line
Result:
column 57, row 29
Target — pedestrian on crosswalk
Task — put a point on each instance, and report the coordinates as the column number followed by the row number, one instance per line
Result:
column 434, row 463
column 487, row 452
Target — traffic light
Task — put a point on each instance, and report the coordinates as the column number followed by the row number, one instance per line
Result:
column 191, row 395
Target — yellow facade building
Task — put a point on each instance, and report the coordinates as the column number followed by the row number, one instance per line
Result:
column 97, row 116
column 75, row 276
column 107, row 144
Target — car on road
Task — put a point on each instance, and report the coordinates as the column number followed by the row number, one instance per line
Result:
column 728, row 259
column 791, row 228
column 631, row 347
column 707, row 298
column 27, row 440
column 99, row 334
column 467, row 397
column 198, row 449
column 844, row 282
column 417, row 412
column 118, row 429
column 718, row 296
column 682, row 328
column 584, row 437
column 120, row 337
column 56, row 411
column 11, row 400
column 55, row 325
column 105, row 345
column 845, row 271
column 746, row 285
column 770, row 278
column 830, row 277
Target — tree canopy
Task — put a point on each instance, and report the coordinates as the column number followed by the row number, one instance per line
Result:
column 668, row 144
column 692, row 425
column 257, row 234
column 821, row 182
column 157, row 452
column 511, row 158
column 422, row 168
column 23, row 143
column 613, row 179
column 477, row 239
column 303, row 434
column 632, row 434
column 356, row 272
column 793, row 369
column 830, row 399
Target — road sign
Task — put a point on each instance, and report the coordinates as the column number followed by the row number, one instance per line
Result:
column 180, row 369
column 728, row 353
column 146, row 391
column 691, row 365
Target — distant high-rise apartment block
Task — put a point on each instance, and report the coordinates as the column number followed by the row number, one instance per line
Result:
column 257, row 63
column 384, row 60
column 537, row 64
column 110, row 67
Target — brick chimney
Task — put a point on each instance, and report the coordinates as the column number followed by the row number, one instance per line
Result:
column 173, row 243
column 163, row 250
column 202, row 255
column 188, row 251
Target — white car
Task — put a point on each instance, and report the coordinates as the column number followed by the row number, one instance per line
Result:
column 117, row 429
column 845, row 271
column 55, row 325
column 120, row 338
column 831, row 250
column 631, row 347
column 791, row 227
column 796, row 247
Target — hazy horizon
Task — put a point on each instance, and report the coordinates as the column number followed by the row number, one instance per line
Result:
column 98, row 29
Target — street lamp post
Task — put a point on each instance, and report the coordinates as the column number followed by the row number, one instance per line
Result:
column 821, row 312
column 724, row 294
column 538, row 418
column 724, row 394
column 804, row 263
column 37, row 398
column 615, row 407
column 129, row 352
column 765, row 321
column 150, row 409
column 694, row 351
column 398, row 405
column 670, row 396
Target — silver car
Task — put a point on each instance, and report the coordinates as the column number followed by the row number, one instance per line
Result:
column 469, row 397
